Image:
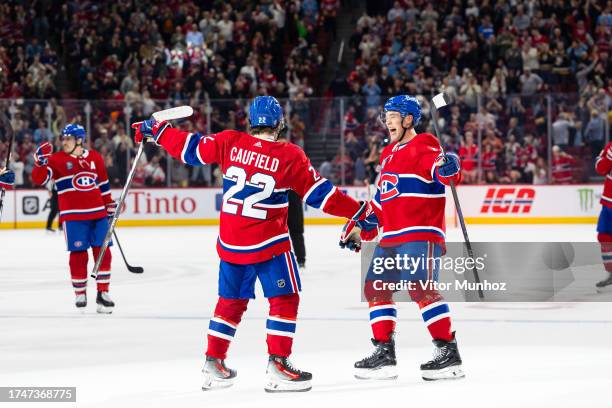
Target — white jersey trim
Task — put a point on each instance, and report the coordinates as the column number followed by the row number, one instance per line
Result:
column 422, row 195
column 255, row 246
column 416, row 176
column 333, row 190
column 189, row 136
column 416, row 227
column 80, row 211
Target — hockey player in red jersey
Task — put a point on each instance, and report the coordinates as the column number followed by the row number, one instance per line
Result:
column 253, row 238
column 603, row 166
column 409, row 210
column 85, row 204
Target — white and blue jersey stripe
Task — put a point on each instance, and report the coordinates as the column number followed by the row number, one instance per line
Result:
column 319, row 193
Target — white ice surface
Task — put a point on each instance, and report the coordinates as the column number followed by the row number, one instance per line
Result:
column 150, row 351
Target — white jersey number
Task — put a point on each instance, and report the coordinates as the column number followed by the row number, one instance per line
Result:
column 264, row 181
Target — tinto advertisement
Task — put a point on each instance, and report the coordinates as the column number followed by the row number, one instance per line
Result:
column 200, row 206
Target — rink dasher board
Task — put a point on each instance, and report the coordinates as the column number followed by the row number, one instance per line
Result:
column 481, row 204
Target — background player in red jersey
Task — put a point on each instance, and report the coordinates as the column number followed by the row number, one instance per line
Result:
column 85, row 203
column 603, row 166
column 253, row 244
column 409, row 208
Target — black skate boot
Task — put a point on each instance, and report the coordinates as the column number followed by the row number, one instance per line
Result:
column 80, row 301
column 105, row 303
column 217, row 375
column 281, row 376
column 446, row 363
column 605, row 285
column 381, row 364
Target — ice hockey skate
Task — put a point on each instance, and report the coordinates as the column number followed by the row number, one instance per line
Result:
column 446, row 363
column 281, row 376
column 105, row 303
column 605, row 285
column 217, row 375
column 80, row 301
column 380, row 365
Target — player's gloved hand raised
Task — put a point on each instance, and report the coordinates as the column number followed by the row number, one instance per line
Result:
column 111, row 209
column 362, row 226
column 448, row 164
column 42, row 153
column 149, row 129
column 7, row 179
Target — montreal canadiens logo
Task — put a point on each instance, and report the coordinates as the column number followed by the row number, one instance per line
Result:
column 388, row 186
column 84, row 181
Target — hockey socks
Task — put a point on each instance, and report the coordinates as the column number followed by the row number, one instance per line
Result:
column 223, row 325
column 436, row 316
column 383, row 316
column 280, row 326
column 103, row 278
column 78, row 271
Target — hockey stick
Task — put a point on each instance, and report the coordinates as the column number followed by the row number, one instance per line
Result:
column 115, row 216
column 133, row 269
column 437, row 102
column 168, row 114
column 8, row 128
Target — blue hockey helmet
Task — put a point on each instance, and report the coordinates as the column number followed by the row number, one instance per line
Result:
column 74, row 130
column 405, row 105
column 265, row 111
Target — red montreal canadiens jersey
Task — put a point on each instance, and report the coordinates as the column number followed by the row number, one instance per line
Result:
column 410, row 198
column 82, row 184
column 257, row 175
column 603, row 165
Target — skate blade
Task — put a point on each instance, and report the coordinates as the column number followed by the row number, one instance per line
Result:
column 211, row 383
column 104, row 309
column 276, row 385
column 383, row 373
column 449, row 373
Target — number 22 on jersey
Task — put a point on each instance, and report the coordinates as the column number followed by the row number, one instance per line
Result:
column 265, row 182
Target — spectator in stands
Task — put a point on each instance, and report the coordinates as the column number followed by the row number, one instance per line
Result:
column 561, row 128
column 562, row 166
column 595, row 132
column 372, row 92
column 468, row 152
column 531, row 83
column 326, row 169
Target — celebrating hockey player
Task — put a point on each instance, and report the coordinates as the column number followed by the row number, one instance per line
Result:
column 409, row 210
column 253, row 239
column 603, row 165
column 85, row 204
